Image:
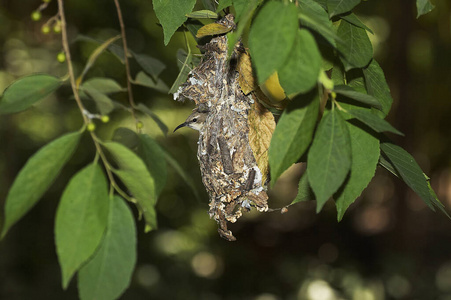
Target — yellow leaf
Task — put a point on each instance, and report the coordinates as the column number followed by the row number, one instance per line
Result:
column 272, row 88
column 261, row 128
column 212, row 29
column 262, row 98
column 245, row 76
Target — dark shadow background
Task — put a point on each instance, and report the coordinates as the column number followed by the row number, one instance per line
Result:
column 388, row 246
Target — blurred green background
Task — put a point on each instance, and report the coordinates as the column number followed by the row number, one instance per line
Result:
column 388, row 246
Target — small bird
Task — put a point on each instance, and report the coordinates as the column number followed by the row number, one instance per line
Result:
column 195, row 120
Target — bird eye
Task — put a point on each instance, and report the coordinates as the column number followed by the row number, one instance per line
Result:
column 195, row 120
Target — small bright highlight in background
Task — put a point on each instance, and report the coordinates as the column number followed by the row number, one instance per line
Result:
column 205, row 264
column 147, row 275
column 320, row 290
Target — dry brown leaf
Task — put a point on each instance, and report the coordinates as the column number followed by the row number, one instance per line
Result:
column 261, row 127
column 246, row 77
column 212, row 29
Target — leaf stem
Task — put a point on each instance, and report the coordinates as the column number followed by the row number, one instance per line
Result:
column 86, row 119
column 127, row 65
column 70, row 68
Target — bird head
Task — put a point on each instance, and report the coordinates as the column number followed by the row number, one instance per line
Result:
column 195, row 120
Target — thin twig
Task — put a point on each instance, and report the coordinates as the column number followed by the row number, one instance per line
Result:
column 127, row 65
column 70, row 68
column 86, row 119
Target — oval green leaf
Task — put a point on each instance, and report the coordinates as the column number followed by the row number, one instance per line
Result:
column 305, row 192
column 409, row 170
column 349, row 92
column 134, row 174
column 423, row 7
column 329, row 158
column 312, row 15
column 371, row 119
column 293, row 134
column 149, row 151
column 152, row 154
column 300, row 72
column 222, row 4
column 377, row 86
column 338, row 7
column 147, row 81
column 272, row 37
column 109, row 272
column 353, row 19
column 172, row 14
column 102, row 85
column 150, row 65
column 354, row 46
column 365, row 156
column 36, row 176
column 104, row 104
column 203, row 14
column 26, row 91
column 81, row 219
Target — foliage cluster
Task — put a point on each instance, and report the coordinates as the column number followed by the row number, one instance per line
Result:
column 324, row 61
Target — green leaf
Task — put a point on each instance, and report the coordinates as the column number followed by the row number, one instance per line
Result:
column 150, row 65
column 36, row 176
column 369, row 118
column 241, row 6
column 435, row 201
column 360, row 97
column 409, row 170
column 186, row 178
column 134, row 174
column 209, row 4
column 104, row 103
column 365, row 156
column 337, row 75
column 81, row 219
column 102, row 85
column 377, row 86
column 114, row 49
column 26, row 91
column 243, row 26
column 293, row 133
column 141, row 107
column 353, row 19
column 95, row 54
column 355, row 46
column 356, row 80
column 185, row 61
column 300, row 72
column 323, row 3
column 338, row 7
column 329, row 157
column 126, row 137
column 172, row 14
column 312, row 15
column 109, row 272
column 272, row 36
column 193, row 27
column 423, row 7
column 152, row 154
column 203, row 14
column 305, row 192
column 144, row 80
column 389, row 166
column 223, row 4
column 386, row 164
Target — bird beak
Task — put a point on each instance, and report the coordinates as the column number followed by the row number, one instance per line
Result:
column 180, row 126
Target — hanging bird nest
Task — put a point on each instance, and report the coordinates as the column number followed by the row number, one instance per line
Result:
column 234, row 140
